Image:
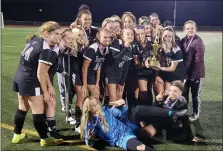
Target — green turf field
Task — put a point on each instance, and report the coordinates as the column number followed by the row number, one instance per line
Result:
column 13, row 40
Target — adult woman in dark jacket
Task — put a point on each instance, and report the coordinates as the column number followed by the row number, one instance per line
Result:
column 193, row 55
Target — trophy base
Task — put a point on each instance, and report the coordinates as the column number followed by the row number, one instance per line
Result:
column 154, row 64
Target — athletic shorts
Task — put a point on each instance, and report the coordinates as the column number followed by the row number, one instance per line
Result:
column 169, row 77
column 91, row 80
column 27, row 88
column 112, row 77
column 145, row 74
column 76, row 79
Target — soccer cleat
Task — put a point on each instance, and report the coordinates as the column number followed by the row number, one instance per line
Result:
column 198, row 139
column 18, row 137
column 78, row 129
column 71, row 120
column 50, row 141
column 55, row 135
column 194, row 117
column 179, row 113
column 63, row 109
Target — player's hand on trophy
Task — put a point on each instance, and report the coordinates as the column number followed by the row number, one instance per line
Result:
column 146, row 63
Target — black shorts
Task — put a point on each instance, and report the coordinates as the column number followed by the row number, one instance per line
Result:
column 76, row 79
column 113, row 79
column 170, row 77
column 145, row 74
column 112, row 76
column 91, row 80
column 27, row 88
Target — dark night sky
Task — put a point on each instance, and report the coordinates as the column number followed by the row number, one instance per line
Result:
column 205, row 13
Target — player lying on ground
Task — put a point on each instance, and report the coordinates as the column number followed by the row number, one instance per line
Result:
column 104, row 122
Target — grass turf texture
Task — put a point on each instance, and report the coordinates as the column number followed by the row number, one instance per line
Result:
column 13, row 40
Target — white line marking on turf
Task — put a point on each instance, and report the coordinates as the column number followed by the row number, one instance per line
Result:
column 6, row 46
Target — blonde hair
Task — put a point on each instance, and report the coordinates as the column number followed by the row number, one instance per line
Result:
column 64, row 31
column 153, row 15
column 100, row 31
column 86, row 115
column 106, row 21
column 75, row 44
column 48, row 27
column 116, row 18
column 142, row 19
column 190, row 22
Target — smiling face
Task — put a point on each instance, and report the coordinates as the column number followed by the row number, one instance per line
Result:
column 140, row 35
column 86, row 21
column 79, row 36
column 190, row 29
column 110, row 26
column 174, row 92
column 68, row 39
column 154, row 21
column 128, row 22
column 94, row 107
column 54, row 37
column 128, row 35
column 167, row 37
column 105, row 38
column 148, row 30
column 117, row 29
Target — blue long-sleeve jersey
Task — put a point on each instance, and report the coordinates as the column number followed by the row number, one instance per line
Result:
column 118, row 133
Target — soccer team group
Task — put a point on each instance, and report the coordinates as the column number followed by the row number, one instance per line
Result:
column 120, row 65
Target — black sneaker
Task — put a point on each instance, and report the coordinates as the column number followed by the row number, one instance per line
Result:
column 179, row 113
column 55, row 135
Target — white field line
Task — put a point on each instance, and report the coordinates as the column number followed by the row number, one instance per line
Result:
column 11, row 46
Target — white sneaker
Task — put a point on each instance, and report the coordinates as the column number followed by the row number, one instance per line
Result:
column 194, row 117
column 71, row 120
column 78, row 129
column 63, row 109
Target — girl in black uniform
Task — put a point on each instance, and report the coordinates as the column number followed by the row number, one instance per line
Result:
column 117, row 64
column 171, row 60
column 80, row 45
column 84, row 20
column 33, row 81
column 66, row 44
column 144, row 75
column 93, row 59
column 108, row 24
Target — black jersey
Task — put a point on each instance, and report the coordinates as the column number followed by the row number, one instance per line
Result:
column 118, row 60
column 143, row 54
column 76, row 62
column 36, row 50
column 91, row 34
column 174, row 54
column 96, row 57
